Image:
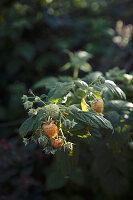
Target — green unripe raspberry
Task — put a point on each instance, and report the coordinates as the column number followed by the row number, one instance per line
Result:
column 32, row 112
column 24, row 98
column 43, row 140
column 52, row 110
column 69, row 124
column 28, row 105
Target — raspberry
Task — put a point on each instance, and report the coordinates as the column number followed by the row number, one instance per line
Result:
column 50, row 129
column 97, row 105
column 28, row 104
column 24, row 98
column 52, row 110
column 57, row 143
column 43, row 140
column 32, row 112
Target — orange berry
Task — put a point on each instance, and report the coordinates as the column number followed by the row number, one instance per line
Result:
column 50, row 129
column 57, row 143
column 98, row 105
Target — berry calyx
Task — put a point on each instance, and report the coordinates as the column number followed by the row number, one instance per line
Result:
column 97, row 105
column 50, row 129
column 57, row 143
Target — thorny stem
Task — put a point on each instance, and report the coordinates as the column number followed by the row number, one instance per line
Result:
column 64, row 138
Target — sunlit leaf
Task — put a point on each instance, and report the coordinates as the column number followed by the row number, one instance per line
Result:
column 94, row 120
column 84, row 105
column 111, row 87
column 81, row 84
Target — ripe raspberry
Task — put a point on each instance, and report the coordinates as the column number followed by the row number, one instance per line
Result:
column 97, row 105
column 50, row 129
column 52, row 110
column 57, row 143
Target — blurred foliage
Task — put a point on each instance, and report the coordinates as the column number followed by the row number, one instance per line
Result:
column 34, row 36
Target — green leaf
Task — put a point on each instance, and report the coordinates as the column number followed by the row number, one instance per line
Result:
column 111, row 170
column 77, row 176
column 92, row 76
column 86, row 67
column 65, row 78
column 115, row 74
column 120, row 105
column 66, row 163
column 26, row 127
column 114, row 89
column 92, row 119
column 79, row 58
column 55, row 181
column 38, row 120
column 113, row 117
column 60, row 90
column 81, row 84
column 47, row 82
column 80, row 93
column 66, row 66
column 117, row 140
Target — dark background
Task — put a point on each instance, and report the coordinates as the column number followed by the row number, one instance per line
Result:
column 34, row 35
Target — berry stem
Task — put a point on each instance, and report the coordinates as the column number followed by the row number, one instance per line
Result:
column 63, row 137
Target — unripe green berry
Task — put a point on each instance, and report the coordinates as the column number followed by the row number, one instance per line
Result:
column 32, row 112
column 28, row 105
column 52, row 110
column 43, row 140
column 24, row 98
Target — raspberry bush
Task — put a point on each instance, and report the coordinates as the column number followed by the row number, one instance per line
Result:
column 70, row 112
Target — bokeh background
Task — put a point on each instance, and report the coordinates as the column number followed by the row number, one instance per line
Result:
column 34, row 36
